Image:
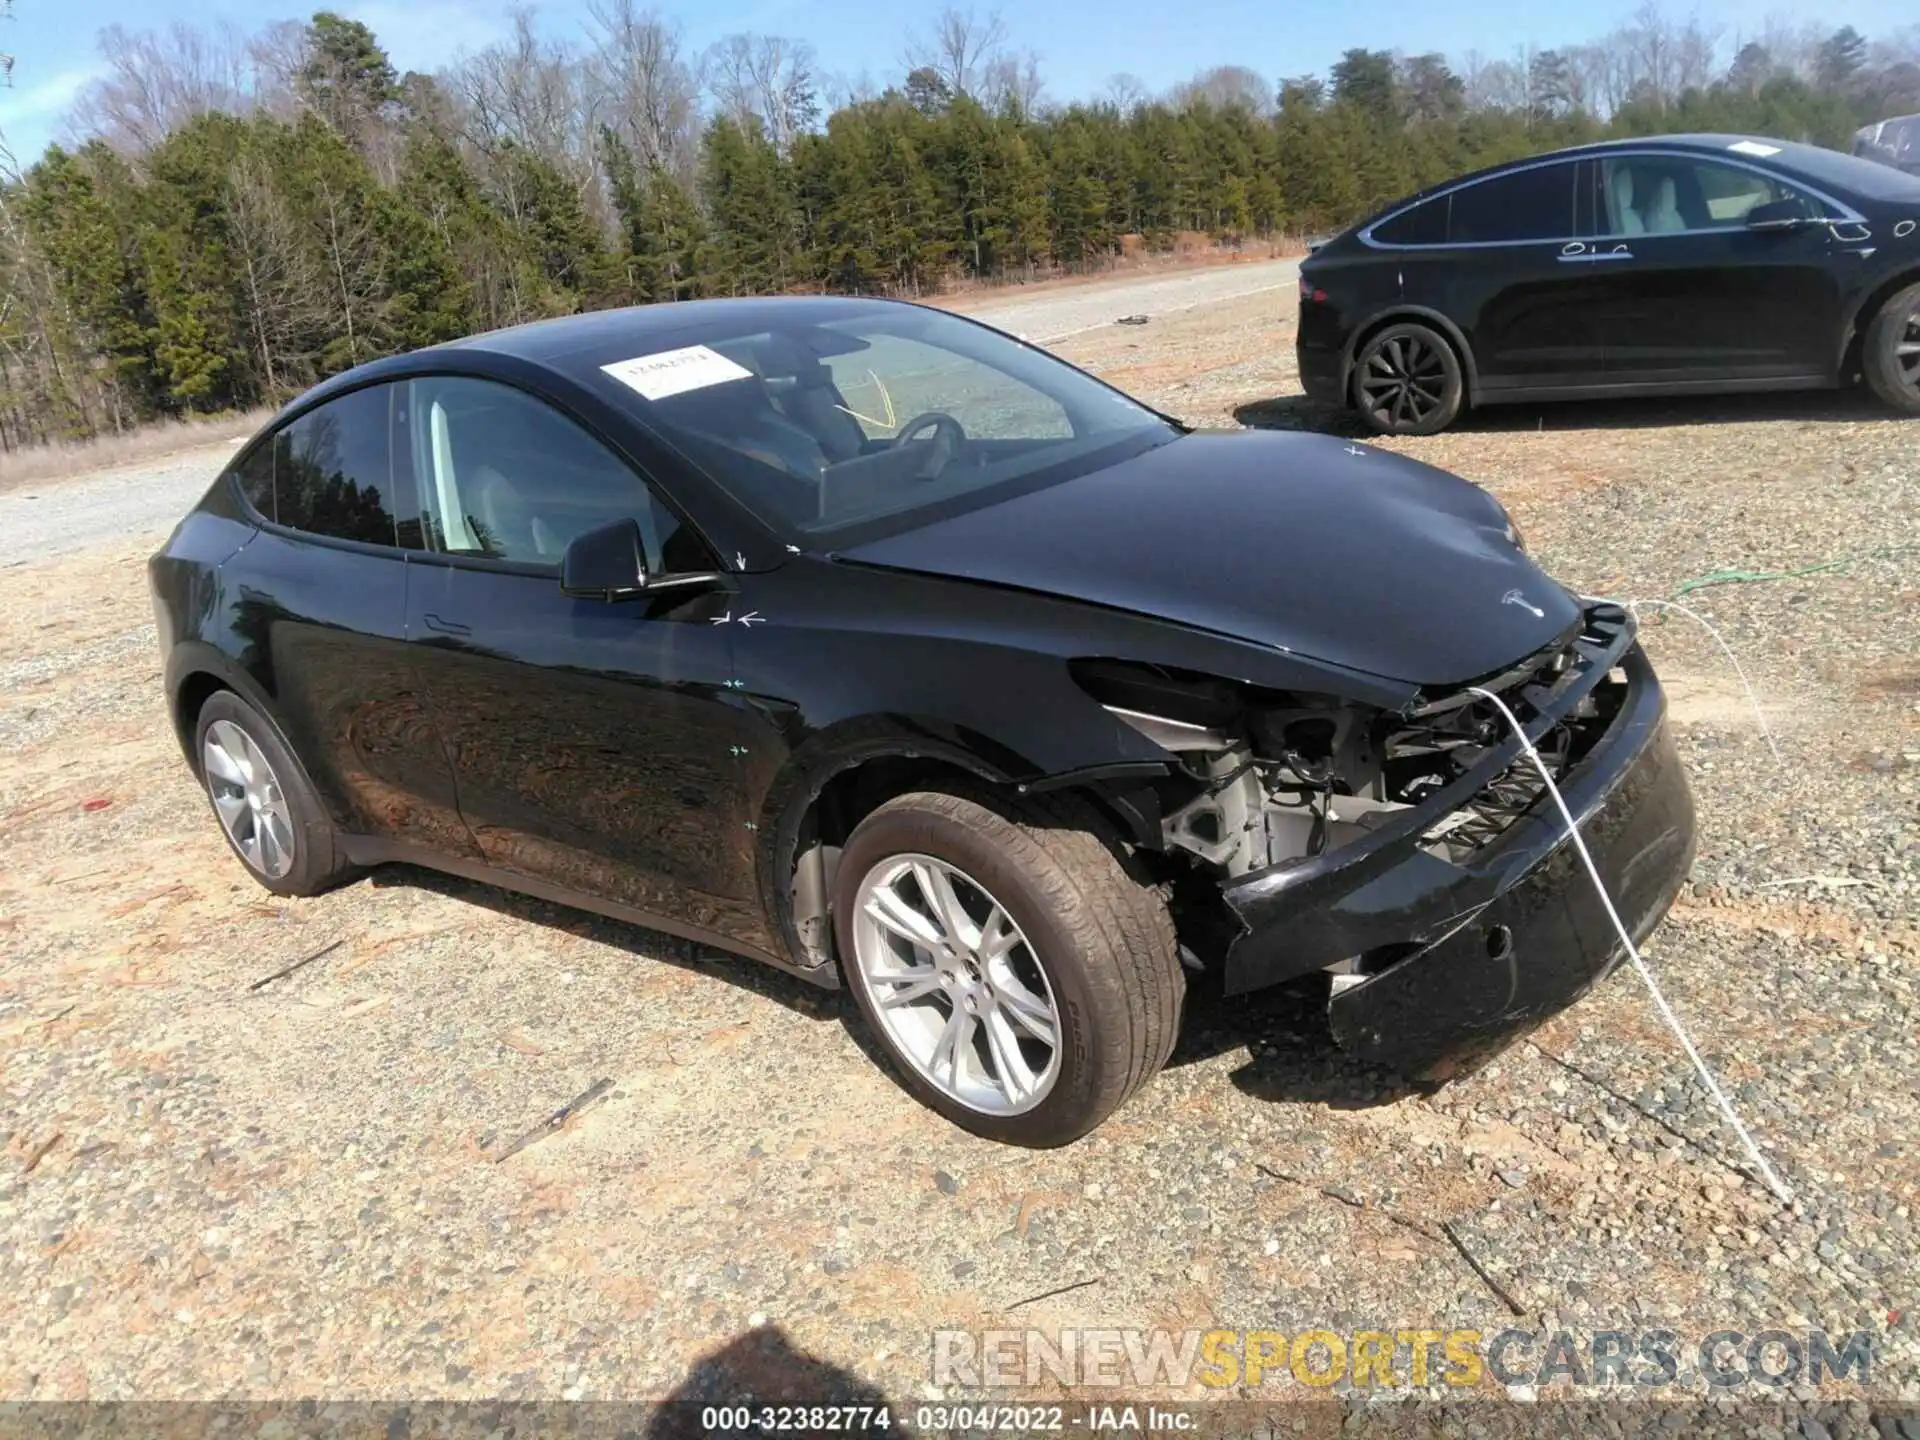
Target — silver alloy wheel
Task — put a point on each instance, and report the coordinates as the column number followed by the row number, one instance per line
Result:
column 248, row 799
column 956, row 984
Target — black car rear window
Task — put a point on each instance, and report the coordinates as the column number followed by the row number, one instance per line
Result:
column 1531, row 204
column 1423, row 224
column 333, row 470
column 255, row 478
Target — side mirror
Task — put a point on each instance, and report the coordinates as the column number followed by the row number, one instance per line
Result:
column 1778, row 216
column 605, row 563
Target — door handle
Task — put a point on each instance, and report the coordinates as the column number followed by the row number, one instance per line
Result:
column 445, row 627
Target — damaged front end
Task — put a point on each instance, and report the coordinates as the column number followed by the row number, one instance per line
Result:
column 1415, row 854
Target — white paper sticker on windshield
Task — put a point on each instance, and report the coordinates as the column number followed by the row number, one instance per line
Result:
column 1753, row 147
column 673, row 372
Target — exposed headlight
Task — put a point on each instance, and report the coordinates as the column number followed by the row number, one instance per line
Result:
column 1515, row 534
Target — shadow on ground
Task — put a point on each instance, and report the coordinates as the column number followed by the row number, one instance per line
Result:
column 1813, row 407
column 758, row 1369
column 1292, row 1057
column 648, row 945
column 1291, row 1054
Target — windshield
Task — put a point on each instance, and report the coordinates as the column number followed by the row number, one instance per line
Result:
column 825, row 428
column 1863, row 177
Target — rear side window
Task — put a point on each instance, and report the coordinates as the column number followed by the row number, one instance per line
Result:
column 1534, row 204
column 333, row 469
column 254, row 475
column 1424, row 224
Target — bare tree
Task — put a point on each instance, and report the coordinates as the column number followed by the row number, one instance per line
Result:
column 1225, row 87
column 1600, row 74
column 278, row 57
column 285, row 300
column 528, row 92
column 1656, row 60
column 1012, row 82
column 960, row 48
column 352, row 281
column 644, row 87
column 1126, row 91
column 843, row 90
column 1495, row 84
column 1695, row 56
column 158, row 79
column 765, row 78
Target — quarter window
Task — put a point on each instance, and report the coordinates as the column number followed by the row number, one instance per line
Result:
column 255, row 478
column 501, row 475
column 1672, row 194
column 333, row 470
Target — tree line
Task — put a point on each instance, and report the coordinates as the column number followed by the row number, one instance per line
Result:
column 237, row 216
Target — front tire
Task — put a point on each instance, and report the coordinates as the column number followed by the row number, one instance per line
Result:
column 1022, row 983
column 1890, row 351
column 1407, row 381
column 264, row 801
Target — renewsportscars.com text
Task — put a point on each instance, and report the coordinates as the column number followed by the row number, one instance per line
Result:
column 1226, row 1359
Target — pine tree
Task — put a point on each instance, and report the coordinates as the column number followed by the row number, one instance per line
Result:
column 748, row 189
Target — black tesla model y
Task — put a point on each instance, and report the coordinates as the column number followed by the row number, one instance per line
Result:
column 874, row 644
column 1673, row 265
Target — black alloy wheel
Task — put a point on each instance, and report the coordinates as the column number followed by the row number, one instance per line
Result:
column 1406, row 381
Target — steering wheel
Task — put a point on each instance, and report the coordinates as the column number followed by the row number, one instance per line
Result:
column 948, row 437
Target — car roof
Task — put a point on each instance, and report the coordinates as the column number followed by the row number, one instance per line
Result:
column 1828, row 169
column 576, row 345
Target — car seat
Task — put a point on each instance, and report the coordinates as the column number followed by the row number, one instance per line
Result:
column 817, row 406
column 1663, row 218
column 1626, row 218
column 504, row 520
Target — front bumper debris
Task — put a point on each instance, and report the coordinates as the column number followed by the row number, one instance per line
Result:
column 1462, row 957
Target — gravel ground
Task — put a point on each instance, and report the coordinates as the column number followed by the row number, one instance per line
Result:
column 212, row 1190
column 55, row 517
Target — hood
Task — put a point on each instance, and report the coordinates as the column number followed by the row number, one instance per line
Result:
column 1309, row 544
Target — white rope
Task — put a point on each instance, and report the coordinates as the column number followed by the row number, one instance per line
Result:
column 1753, row 697
column 1774, row 1182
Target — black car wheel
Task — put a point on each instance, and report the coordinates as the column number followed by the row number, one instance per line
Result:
column 1023, row 985
column 1890, row 354
column 265, row 804
column 1407, row 381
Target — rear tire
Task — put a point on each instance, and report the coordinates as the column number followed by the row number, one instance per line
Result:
column 1890, row 351
column 267, row 808
column 1094, row 950
column 1407, row 380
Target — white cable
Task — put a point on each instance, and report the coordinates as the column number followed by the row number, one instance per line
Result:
column 1774, row 1182
column 1753, row 697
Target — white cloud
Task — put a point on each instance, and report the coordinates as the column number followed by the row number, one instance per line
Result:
column 427, row 34
column 30, row 116
column 47, row 99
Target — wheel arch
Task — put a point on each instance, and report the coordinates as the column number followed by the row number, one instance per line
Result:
column 1452, row 333
column 196, row 671
column 1854, row 331
column 836, row 780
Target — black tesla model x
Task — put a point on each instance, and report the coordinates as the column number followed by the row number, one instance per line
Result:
column 1672, row 265
column 877, row 645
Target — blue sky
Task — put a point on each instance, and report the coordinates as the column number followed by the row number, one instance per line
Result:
column 1081, row 42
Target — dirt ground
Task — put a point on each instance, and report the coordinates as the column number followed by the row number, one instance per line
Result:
column 218, row 1187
